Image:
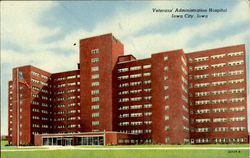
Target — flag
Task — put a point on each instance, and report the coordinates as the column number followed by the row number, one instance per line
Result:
column 21, row 79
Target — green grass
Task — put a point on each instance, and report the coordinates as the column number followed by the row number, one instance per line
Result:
column 23, row 148
column 4, row 142
column 129, row 154
column 150, row 146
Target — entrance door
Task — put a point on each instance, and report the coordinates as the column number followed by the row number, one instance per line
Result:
column 68, row 141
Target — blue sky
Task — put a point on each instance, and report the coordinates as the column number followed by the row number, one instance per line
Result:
column 42, row 33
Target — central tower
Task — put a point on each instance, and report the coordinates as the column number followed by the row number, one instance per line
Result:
column 98, row 57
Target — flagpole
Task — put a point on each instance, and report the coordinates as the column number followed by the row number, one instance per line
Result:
column 17, row 127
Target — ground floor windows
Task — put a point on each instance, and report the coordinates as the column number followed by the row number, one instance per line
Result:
column 78, row 140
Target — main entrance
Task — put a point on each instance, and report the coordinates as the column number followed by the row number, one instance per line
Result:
column 78, row 140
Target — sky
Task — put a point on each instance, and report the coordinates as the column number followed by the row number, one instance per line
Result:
column 42, row 33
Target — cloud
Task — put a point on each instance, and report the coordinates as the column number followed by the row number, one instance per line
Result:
column 20, row 23
column 46, row 60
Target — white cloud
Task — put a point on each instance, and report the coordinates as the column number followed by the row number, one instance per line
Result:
column 46, row 60
column 20, row 23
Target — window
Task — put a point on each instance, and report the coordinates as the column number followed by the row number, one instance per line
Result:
column 201, row 76
column 201, row 94
column 203, row 120
column 35, row 73
column 236, row 81
column 166, row 107
column 221, row 119
column 237, row 108
column 136, row 114
column 123, row 92
column 71, row 97
column 202, row 102
column 236, row 99
column 166, row 68
column 201, row 59
column 95, row 68
column 218, row 65
column 147, row 74
column 94, row 60
column 95, row 76
column 122, row 69
column 236, row 72
column 71, row 77
column 94, row 107
column 95, row 99
column 220, row 129
column 234, row 63
column 135, row 68
column 94, row 84
column 147, row 105
column 240, row 118
column 165, row 58
column 219, row 92
column 199, row 85
column 136, row 99
column 201, row 67
column 216, row 110
column 95, row 51
column 135, row 106
column 166, row 117
column 95, row 114
column 235, row 53
column 166, row 128
column 95, row 123
column 147, row 82
column 218, row 83
column 218, row 56
column 205, row 129
column 122, row 77
column 147, row 66
column 219, row 74
column 94, row 92
column 218, row 101
column 135, row 83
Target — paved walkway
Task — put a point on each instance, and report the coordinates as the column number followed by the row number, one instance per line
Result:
column 51, row 148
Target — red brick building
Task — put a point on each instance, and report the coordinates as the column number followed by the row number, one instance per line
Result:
column 172, row 97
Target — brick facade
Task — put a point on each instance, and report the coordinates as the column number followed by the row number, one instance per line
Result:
column 172, row 97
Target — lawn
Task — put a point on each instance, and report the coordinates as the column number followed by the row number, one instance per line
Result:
column 129, row 154
column 4, row 142
column 159, row 146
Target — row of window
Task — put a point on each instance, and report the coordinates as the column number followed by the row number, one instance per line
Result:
column 134, row 107
column 204, row 67
column 206, row 93
column 220, row 119
column 205, row 58
column 121, row 100
column 220, row 129
column 38, row 74
column 220, row 140
column 217, row 74
column 140, row 114
column 218, row 101
column 133, row 68
column 68, row 84
column 68, row 126
column 66, row 77
column 216, row 83
column 219, row 110
column 68, row 111
column 39, row 82
column 135, row 123
column 67, row 118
